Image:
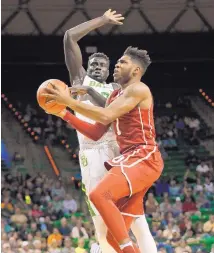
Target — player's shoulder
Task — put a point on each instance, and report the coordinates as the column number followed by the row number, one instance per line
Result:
column 138, row 89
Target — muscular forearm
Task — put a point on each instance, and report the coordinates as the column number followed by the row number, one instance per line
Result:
column 99, row 99
column 81, row 30
column 92, row 131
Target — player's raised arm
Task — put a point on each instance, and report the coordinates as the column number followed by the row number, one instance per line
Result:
column 73, row 55
column 73, row 58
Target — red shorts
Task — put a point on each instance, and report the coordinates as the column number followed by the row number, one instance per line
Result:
column 141, row 167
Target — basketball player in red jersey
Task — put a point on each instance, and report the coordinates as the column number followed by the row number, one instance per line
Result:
column 140, row 164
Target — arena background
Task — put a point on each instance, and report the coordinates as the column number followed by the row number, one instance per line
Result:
column 178, row 35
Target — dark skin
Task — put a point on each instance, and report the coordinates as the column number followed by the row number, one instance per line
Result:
column 97, row 67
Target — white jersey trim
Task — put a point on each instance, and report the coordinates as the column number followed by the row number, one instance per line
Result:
column 127, row 178
column 150, row 125
column 141, row 121
column 120, row 158
column 132, row 215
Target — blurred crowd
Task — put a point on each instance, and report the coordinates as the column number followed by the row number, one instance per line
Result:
column 170, row 130
column 47, row 129
column 181, row 209
column 50, row 129
column 38, row 216
column 182, row 216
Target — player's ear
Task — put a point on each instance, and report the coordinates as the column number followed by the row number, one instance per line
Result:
column 137, row 70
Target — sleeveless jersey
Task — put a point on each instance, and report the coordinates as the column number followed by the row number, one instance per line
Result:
column 105, row 90
column 135, row 127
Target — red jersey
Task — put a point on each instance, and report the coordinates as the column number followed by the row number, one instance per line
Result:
column 135, row 127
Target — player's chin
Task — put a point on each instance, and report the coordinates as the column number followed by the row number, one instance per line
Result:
column 99, row 78
column 116, row 78
column 117, row 75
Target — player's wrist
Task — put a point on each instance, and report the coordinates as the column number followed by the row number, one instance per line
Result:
column 62, row 113
column 73, row 104
column 104, row 20
column 89, row 90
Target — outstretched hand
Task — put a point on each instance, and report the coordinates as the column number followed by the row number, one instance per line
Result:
column 113, row 18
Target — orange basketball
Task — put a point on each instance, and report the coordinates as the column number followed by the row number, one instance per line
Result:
column 52, row 107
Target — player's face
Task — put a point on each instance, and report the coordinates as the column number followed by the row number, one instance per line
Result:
column 98, row 69
column 123, row 70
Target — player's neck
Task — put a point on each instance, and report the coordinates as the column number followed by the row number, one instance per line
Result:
column 130, row 82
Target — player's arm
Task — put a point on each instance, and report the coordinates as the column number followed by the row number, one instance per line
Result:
column 73, row 55
column 98, row 98
column 120, row 106
column 72, row 52
column 91, row 131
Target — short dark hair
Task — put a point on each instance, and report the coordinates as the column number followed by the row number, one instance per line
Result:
column 140, row 55
column 99, row 55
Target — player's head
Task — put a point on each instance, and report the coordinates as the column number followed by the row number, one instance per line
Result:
column 98, row 67
column 132, row 64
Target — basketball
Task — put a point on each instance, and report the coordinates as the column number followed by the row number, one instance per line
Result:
column 52, row 107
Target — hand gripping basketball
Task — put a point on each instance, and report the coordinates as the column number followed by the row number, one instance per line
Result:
column 49, row 96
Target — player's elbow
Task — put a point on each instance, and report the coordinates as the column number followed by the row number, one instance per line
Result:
column 99, row 131
column 106, row 119
column 69, row 36
column 96, row 137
